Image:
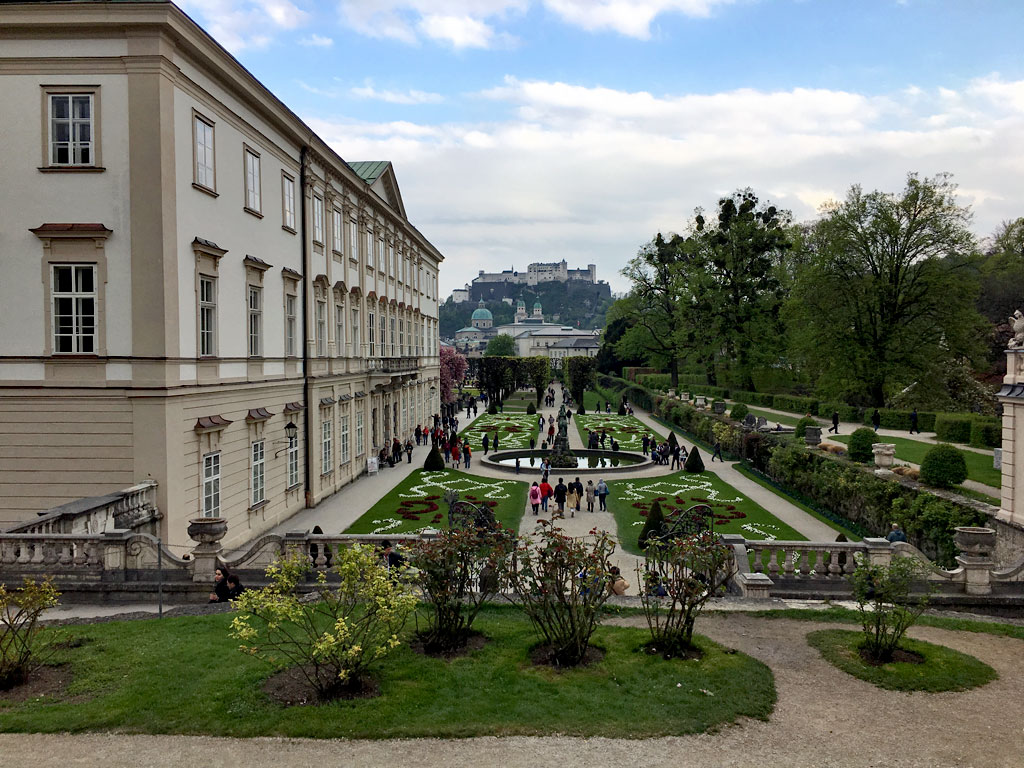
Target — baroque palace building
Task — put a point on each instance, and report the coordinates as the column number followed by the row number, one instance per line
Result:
column 190, row 274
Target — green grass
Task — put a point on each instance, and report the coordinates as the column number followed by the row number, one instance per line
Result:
column 185, row 675
column 771, row 418
column 943, row 668
column 757, row 522
column 423, row 494
column 979, row 465
column 514, row 430
column 628, row 431
column 970, row 493
column 746, row 472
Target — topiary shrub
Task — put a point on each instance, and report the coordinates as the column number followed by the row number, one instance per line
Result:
column 694, row 463
column 581, row 411
column 654, row 524
column 492, row 409
column 622, row 408
column 673, row 443
column 803, row 424
column 434, row 461
column 944, row 466
column 986, row 433
column 860, row 444
column 739, row 412
column 532, row 409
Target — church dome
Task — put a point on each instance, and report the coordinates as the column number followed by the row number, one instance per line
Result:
column 537, row 307
column 482, row 313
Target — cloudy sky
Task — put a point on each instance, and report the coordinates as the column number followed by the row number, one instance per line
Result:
column 535, row 130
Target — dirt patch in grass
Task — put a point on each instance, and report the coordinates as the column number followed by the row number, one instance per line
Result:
column 291, row 688
column 899, row 656
column 544, row 656
column 686, row 654
column 50, row 682
column 474, row 642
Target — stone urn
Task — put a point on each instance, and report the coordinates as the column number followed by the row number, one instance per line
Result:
column 974, row 541
column 207, row 531
column 812, row 436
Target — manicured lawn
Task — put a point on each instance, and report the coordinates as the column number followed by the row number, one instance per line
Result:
column 627, row 430
column 185, row 675
column 943, row 669
column 418, row 502
column 514, row 430
column 979, row 465
column 734, row 513
column 781, row 418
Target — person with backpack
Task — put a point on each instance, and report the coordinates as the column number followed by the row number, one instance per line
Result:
column 546, row 491
column 602, row 495
column 535, row 496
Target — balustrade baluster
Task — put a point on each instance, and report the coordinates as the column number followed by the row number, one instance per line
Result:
column 773, row 562
column 757, row 566
column 65, row 553
column 787, row 562
column 834, row 569
column 805, row 562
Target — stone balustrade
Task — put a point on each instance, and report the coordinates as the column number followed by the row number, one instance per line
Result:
column 132, row 508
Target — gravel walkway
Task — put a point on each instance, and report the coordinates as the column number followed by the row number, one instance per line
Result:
column 823, row 718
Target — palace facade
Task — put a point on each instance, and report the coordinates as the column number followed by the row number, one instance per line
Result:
column 197, row 289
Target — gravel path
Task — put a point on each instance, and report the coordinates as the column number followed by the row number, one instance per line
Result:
column 823, row 718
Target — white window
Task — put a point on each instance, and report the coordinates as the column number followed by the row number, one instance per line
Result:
column 259, row 492
column 290, row 325
column 293, row 462
column 344, row 439
column 372, row 339
column 337, row 232
column 73, row 293
column 355, row 333
column 71, row 129
column 360, row 443
column 205, row 175
column 255, row 321
column 252, row 181
column 383, row 335
column 318, row 219
column 353, row 238
column 401, row 338
column 207, row 316
column 326, row 452
column 321, row 328
column 381, row 261
column 391, row 260
column 370, row 258
column 394, row 349
column 339, row 329
column 288, row 200
column 211, row 485
column 405, row 268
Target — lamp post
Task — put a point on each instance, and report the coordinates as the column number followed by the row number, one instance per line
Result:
column 291, row 432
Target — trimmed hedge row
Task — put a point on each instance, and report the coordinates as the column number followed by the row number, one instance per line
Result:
column 894, row 419
column 754, row 398
column 986, row 433
column 632, row 372
column 968, row 428
column 846, row 412
column 795, row 404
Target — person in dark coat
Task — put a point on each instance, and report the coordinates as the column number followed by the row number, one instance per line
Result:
column 876, row 419
column 561, row 491
column 235, row 587
column 487, row 443
column 835, row 422
column 221, row 591
column 913, row 422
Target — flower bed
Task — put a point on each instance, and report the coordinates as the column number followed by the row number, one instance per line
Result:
column 513, row 430
column 417, row 503
column 630, row 501
column 628, row 431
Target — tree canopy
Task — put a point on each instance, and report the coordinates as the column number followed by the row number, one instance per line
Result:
column 501, row 345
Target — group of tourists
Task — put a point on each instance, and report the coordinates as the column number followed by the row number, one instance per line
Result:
column 572, row 496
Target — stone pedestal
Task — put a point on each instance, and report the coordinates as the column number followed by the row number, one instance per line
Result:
column 701, row 402
column 812, row 436
column 976, row 546
column 885, row 454
column 1011, row 396
column 207, row 532
column 718, row 406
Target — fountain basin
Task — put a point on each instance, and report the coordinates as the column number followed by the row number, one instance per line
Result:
column 586, row 461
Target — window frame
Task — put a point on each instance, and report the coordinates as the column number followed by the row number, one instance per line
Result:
column 253, row 195
column 210, row 304
column 76, row 296
column 198, row 117
column 318, row 220
column 353, row 236
column 257, row 473
column 339, row 327
column 93, row 92
column 210, row 485
column 321, row 327
column 288, row 202
column 291, row 324
column 360, row 432
column 255, row 319
column 293, row 463
column 343, row 437
column 326, row 443
column 337, row 231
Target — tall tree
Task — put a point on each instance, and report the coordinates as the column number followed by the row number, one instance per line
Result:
column 453, row 371
column 502, row 345
column 887, row 294
column 579, row 374
column 729, row 286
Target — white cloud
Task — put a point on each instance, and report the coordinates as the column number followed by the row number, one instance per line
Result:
column 591, row 173
column 458, row 31
column 316, row 41
column 631, row 18
column 367, row 91
column 241, row 24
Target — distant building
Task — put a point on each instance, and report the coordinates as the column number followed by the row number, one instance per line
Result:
column 539, row 272
column 460, row 295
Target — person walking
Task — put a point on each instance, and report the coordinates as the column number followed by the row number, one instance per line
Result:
column 535, row 498
column 546, row 492
column 487, row 443
column 494, row 445
column 467, row 455
column 645, row 444
column 602, row 495
column 913, row 422
column 876, row 419
column 408, row 451
column 561, row 493
column 835, row 422
column 591, row 492
column 718, row 451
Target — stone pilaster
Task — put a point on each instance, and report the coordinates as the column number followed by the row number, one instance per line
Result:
column 1011, row 396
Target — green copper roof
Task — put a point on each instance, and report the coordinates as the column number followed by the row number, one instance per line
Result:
column 369, row 170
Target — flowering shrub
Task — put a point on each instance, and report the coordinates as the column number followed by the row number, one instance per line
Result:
column 679, row 576
column 334, row 639
column 560, row 584
column 883, row 599
column 21, row 651
column 457, row 572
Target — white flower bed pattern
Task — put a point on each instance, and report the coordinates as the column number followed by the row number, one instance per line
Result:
column 637, row 490
column 437, row 483
column 627, row 430
column 523, row 428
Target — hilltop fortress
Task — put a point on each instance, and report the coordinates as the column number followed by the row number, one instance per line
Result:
column 506, row 284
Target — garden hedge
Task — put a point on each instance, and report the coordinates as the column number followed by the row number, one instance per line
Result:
column 754, row 398
column 895, row 419
column 739, row 412
column 846, row 412
column 943, row 466
column 860, row 444
column 953, row 428
column 986, row 433
column 795, row 404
